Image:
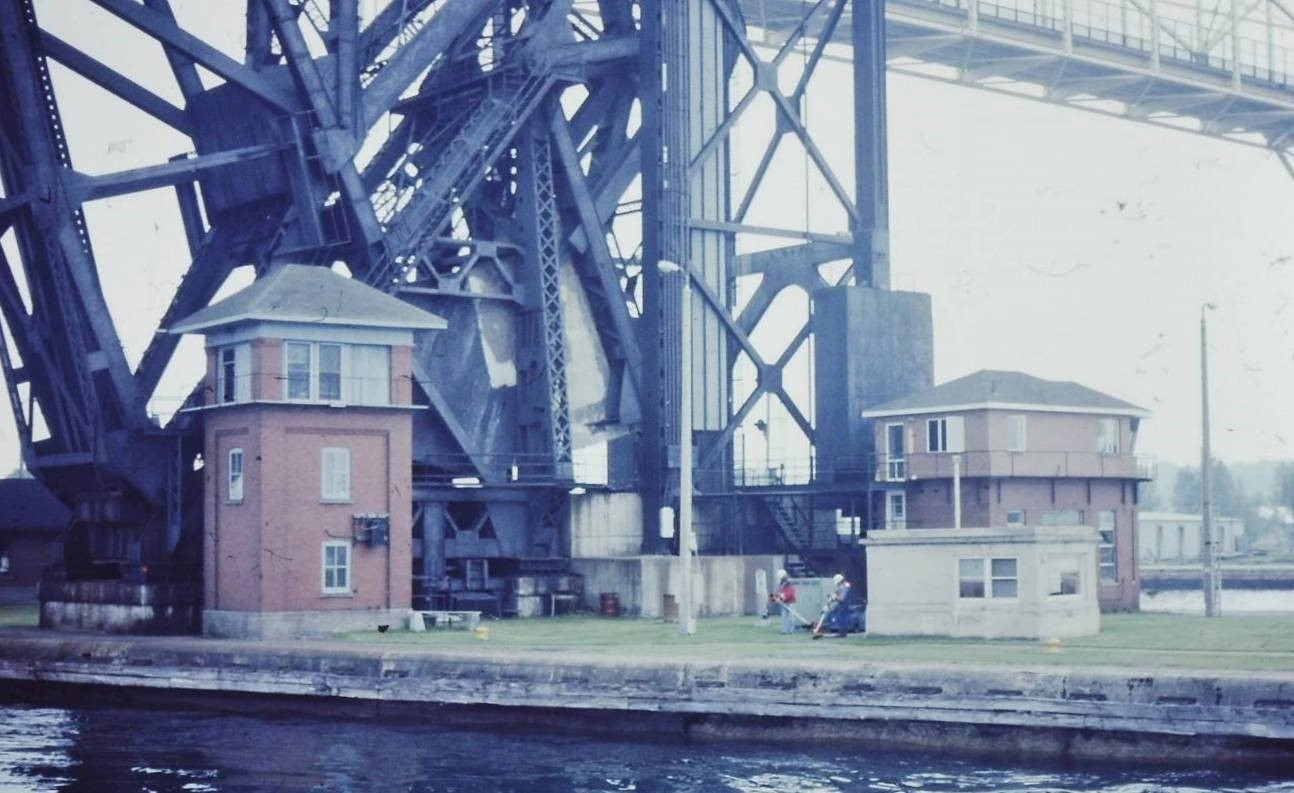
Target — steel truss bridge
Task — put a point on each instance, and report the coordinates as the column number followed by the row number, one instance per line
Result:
column 520, row 167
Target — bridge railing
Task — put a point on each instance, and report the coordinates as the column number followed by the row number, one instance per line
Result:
column 1255, row 48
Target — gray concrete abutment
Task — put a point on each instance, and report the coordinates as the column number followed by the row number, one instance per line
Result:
column 1211, row 718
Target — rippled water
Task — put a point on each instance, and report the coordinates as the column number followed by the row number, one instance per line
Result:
column 114, row 749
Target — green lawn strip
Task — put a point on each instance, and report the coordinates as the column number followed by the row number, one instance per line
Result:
column 1145, row 641
column 1141, row 640
column 19, row 616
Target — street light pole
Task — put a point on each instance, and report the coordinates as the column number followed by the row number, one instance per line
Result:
column 1212, row 595
column 686, row 610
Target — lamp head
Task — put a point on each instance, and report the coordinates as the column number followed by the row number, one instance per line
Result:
column 667, row 266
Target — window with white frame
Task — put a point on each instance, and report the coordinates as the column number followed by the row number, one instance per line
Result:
column 970, row 578
column 335, row 474
column 946, row 434
column 1107, row 525
column 895, row 462
column 997, row 577
column 233, row 374
column 336, row 567
column 328, row 383
column 1005, row 577
column 313, row 371
column 234, row 492
column 296, row 357
column 896, row 509
column 1015, row 438
column 1107, row 436
column 353, row 373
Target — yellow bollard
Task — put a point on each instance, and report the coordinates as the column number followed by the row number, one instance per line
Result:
column 1051, row 645
column 481, row 632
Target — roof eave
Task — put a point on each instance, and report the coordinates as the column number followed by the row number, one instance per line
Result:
column 1133, row 411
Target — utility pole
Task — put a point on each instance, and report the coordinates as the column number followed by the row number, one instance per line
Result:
column 1211, row 580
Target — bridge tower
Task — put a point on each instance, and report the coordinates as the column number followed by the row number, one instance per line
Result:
column 518, row 167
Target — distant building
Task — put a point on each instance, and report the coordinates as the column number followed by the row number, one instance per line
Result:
column 1172, row 537
column 1012, row 453
column 32, row 522
column 307, row 524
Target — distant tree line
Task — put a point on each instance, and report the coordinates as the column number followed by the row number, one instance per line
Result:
column 1259, row 509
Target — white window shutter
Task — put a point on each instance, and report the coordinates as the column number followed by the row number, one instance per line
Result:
column 956, row 434
column 336, row 474
column 243, row 373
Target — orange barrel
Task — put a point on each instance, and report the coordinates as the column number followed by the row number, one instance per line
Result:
column 610, row 604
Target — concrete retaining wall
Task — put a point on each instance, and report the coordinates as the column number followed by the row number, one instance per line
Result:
column 724, row 585
column 1197, row 716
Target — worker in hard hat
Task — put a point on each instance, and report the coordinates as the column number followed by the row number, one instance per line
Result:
column 836, row 614
column 784, row 597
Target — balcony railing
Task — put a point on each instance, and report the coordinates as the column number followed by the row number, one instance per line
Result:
column 940, row 465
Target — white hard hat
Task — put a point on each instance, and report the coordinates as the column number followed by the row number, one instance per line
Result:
column 782, row 574
column 837, row 578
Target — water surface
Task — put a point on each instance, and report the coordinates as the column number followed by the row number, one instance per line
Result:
column 116, row 749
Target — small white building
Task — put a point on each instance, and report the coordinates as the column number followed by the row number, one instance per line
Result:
column 1029, row 582
column 1175, row 536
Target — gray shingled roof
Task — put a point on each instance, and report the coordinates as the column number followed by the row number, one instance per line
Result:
column 987, row 388
column 305, row 293
column 27, row 505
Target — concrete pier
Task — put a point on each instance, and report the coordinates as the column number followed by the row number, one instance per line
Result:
column 1106, row 714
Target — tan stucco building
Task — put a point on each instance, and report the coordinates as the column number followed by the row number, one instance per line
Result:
column 1005, row 450
column 307, row 433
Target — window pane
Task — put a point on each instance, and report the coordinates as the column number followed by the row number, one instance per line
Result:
column 970, row 588
column 1107, row 441
column 298, row 370
column 235, row 474
column 330, row 372
column 228, row 375
column 1107, row 520
column 1005, row 583
column 1005, row 587
column 336, row 567
column 1004, row 567
column 970, row 574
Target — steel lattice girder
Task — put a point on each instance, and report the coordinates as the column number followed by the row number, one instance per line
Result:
column 391, row 144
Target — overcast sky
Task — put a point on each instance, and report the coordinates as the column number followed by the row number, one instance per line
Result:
column 1078, row 247
column 1055, row 242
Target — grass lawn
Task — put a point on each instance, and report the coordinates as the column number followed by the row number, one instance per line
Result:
column 19, row 616
column 1150, row 641
column 1147, row 641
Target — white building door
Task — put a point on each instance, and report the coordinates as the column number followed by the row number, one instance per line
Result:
column 896, row 509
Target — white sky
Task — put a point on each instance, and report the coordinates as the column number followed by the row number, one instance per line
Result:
column 1078, row 247
column 1059, row 243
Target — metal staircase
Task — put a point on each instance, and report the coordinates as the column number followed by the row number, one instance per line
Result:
column 418, row 202
column 810, row 554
